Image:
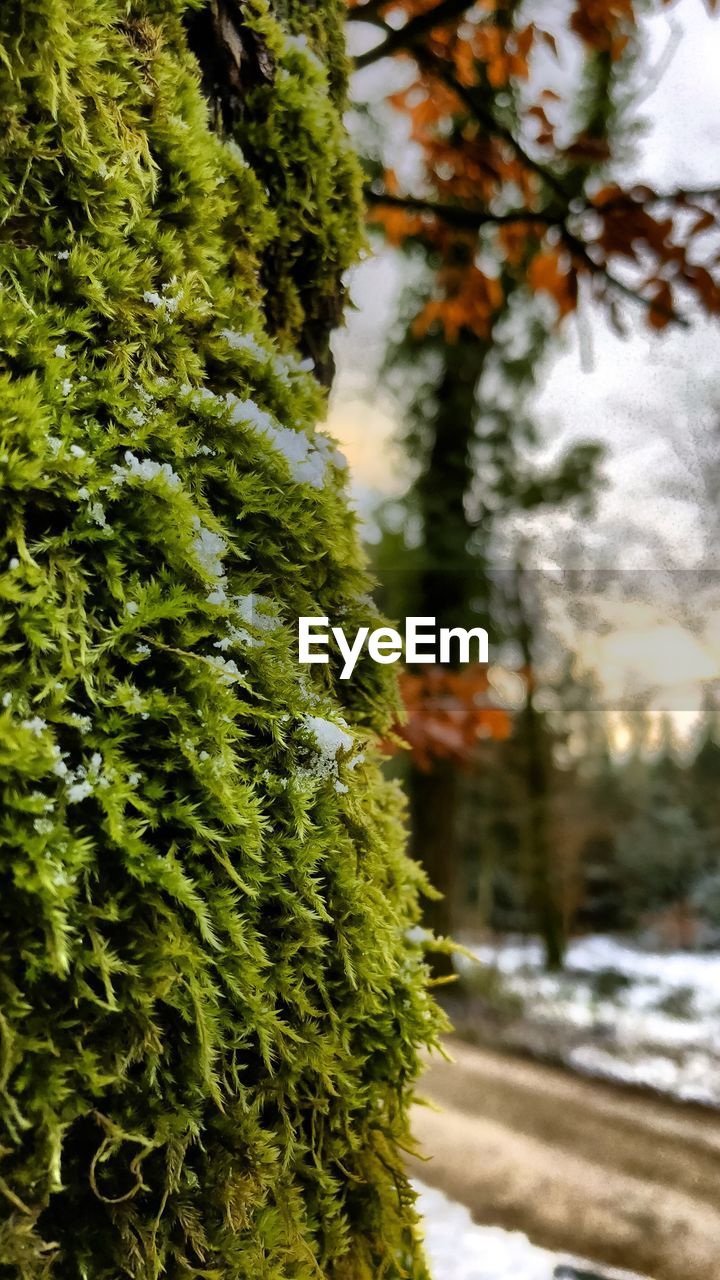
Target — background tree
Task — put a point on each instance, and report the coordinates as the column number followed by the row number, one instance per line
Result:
column 514, row 210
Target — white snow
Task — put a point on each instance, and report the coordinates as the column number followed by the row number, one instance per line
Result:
column 164, row 304
column 657, row 1025
column 246, row 342
column 258, row 611
column 227, row 667
column 78, row 791
column 35, row 725
column 597, row 952
column 306, row 458
column 145, row 470
column 458, row 1249
column 209, row 549
column 328, row 739
column 301, row 45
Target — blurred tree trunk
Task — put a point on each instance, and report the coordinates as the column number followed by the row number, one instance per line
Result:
column 447, row 583
column 433, row 815
column 546, row 895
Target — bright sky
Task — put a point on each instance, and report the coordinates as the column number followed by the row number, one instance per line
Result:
column 651, row 399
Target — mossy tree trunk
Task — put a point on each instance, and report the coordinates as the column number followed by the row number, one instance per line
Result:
column 210, row 1001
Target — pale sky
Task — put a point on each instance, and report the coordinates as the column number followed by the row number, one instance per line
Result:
column 644, row 397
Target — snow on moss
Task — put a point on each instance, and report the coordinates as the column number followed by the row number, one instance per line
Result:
column 329, row 742
column 209, row 549
column 145, row 470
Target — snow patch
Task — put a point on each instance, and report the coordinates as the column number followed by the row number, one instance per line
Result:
column 328, row 740
column 458, row 1249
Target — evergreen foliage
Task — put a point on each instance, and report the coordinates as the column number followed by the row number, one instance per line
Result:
column 211, row 1002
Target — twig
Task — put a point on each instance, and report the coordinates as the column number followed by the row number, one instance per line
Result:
column 458, row 215
column 402, row 37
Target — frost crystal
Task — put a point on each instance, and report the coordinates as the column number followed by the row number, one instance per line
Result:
column 36, row 725
column 78, row 791
column 227, row 667
column 245, row 342
column 232, row 146
column 246, row 411
column 328, row 738
column 209, row 549
column 164, row 304
column 285, row 367
column 329, row 450
column 257, row 611
column 199, row 395
column 81, row 782
column 301, row 45
column 145, row 470
column 306, row 458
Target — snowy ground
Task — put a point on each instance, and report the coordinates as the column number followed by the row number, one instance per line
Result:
column 458, row 1249
column 637, row 1016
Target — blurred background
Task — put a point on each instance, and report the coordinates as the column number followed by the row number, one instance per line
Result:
column 528, row 395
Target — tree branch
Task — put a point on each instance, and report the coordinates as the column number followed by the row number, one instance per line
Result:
column 678, row 196
column 368, row 12
column 457, row 215
column 405, row 36
column 469, row 219
column 434, row 66
column 410, row 37
column 579, row 249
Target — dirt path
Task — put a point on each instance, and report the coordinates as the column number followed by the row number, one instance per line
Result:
column 580, row 1166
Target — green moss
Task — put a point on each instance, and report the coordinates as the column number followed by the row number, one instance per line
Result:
column 210, row 1008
